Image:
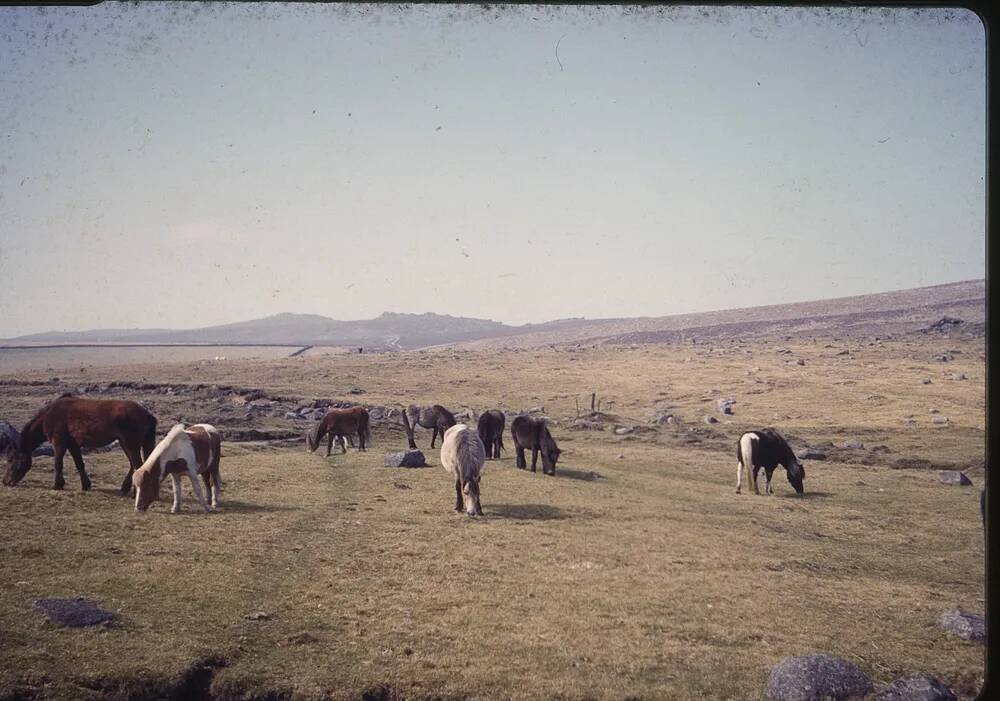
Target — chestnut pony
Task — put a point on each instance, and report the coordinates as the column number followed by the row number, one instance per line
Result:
column 339, row 423
column 70, row 423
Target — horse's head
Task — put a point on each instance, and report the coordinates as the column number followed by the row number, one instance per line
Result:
column 18, row 464
column 147, row 488
column 470, row 497
column 796, row 473
column 550, row 452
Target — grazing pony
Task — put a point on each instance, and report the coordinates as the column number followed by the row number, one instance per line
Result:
column 534, row 433
column 491, row 425
column 70, row 423
column 339, row 423
column 464, row 457
column 435, row 417
column 193, row 451
column 766, row 448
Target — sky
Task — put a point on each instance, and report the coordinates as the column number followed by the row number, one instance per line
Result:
column 182, row 165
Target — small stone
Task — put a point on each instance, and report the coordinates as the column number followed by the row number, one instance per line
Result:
column 291, row 415
column 258, row 616
column 711, row 420
column 954, row 477
column 623, row 430
column 74, row 613
column 800, row 361
column 968, row 626
column 725, row 405
column 958, row 376
column 410, row 458
column 844, row 352
column 925, row 381
column 816, row 678
column 918, row 686
column 940, row 420
column 935, row 411
column 852, row 444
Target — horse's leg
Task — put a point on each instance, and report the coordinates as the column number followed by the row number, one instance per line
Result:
column 329, row 444
column 361, row 439
column 206, row 477
column 134, row 463
column 197, row 488
column 434, row 433
column 343, row 445
column 520, row 461
column 767, row 488
column 74, row 450
column 175, row 480
column 458, row 495
column 756, row 469
column 58, row 451
column 534, row 459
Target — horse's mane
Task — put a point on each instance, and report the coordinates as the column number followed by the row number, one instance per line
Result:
column 23, row 437
column 162, row 446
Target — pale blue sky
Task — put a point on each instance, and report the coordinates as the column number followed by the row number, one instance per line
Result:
column 184, row 165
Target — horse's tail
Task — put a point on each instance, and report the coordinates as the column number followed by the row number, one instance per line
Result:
column 406, row 420
column 149, row 439
column 368, row 430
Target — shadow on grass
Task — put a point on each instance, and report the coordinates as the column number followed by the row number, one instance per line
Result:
column 526, row 512
column 808, row 495
column 244, row 507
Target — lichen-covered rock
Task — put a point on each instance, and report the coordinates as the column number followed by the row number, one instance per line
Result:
column 968, row 626
column 954, row 477
column 816, row 678
column 810, row 454
column 918, row 686
column 409, row 458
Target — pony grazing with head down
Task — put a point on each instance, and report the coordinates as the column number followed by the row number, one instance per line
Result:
column 70, row 423
column 434, row 417
column 339, row 423
column 192, row 451
column 766, row 448
column 534, row 433
column 464, row 457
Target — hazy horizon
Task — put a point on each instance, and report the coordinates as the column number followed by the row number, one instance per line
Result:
column 189, row 165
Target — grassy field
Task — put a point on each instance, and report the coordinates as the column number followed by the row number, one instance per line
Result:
column 636, row 572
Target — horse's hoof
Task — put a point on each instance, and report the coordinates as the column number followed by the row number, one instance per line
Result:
column 85, row 486
column 57, row 485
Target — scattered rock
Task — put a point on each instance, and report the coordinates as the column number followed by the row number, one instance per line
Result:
column 291, row 415
column 623, row 430
column 968, row 626
column 958, row 376
column 918, row 686
column 943, row 357
column 810, row 454
column 621, row 456
column 74, row 613
column 711, row 420
column 258, row 616
column 800, row 361
column 816, row 678
column 940, row 420
column 945, row 323
column 925, row 381
column 782, row 350
column 663, row 419
column 355, row 390
column 536, row 410
column 954, row 477
column 935, row 411
column 725, row 405
column 844, row 352
column 852, row 445
column 9, row 436
column 410, row 458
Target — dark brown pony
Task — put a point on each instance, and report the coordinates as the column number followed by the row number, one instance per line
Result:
column 339, row 423
column 435, row 417
column 534, row 433
column 71, row 423
column 490, row 428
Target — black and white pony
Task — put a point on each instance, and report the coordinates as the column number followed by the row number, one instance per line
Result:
column 766, row 448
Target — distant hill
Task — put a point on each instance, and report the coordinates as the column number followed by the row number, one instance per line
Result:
column 889, row 312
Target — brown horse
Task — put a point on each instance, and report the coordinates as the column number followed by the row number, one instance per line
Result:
column 435, row 417
column 71, row 423
column 339, row 423
column 490, row 428
column 534, row 433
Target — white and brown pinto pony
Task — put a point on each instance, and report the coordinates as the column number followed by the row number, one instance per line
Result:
column 766, row 448
column 463, row 455
column 193, row 451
